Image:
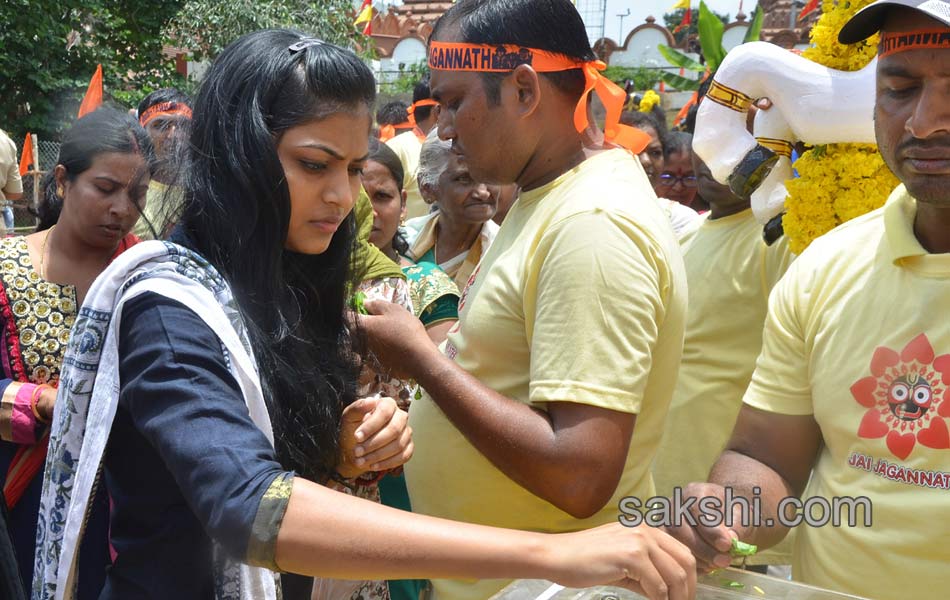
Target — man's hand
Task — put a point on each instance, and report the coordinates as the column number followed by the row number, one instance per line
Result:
column 710, row 544
column 396, row 338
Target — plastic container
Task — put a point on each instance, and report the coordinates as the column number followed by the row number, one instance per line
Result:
column 727, row 584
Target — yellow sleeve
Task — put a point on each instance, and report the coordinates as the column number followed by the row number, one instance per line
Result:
column 781, row 381
column 594, row 296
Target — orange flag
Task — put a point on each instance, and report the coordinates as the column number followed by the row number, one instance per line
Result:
column 811, row 6
column 687, row 19
column 26, row 159
column 93, row 98
column 681, row 115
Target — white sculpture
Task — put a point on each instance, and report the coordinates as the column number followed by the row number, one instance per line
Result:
column 810, row 103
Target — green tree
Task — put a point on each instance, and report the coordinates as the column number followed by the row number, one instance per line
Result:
column 207, row 26
column 673, row 20
column 643, row 78
column 49, row 50
column 712, row 53
column 408, row 77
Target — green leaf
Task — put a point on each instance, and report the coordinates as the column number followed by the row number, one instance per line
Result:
column 710, row 37
column 678, row 59
column 680, row 83
column 755, row 28
column 356, row 303
column 742, row 548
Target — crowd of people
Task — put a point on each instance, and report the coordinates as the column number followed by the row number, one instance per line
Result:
column 278, row 341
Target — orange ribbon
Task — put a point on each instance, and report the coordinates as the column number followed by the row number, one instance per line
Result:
column 411, row 122
column 164, row 108
column 486, row 58
column 386, row 133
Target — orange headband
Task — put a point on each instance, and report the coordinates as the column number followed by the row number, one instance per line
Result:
column 164, row 108
column 486, row 58
column 411, row 122
column 892, row 43
column 421, row 103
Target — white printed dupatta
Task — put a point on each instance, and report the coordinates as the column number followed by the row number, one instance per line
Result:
column 89, row 395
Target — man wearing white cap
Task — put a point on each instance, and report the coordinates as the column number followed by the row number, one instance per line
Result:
column 851, row 394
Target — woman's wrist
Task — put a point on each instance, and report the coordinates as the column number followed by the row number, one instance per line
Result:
column 42, row 402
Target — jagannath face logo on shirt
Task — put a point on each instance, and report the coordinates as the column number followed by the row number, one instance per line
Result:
column 907, row 396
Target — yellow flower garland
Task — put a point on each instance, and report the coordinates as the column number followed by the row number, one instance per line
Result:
column 649, row 100
column 837, row 182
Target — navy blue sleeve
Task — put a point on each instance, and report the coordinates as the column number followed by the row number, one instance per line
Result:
column 183, row 399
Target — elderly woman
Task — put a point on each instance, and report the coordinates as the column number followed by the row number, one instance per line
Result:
column 455, row 236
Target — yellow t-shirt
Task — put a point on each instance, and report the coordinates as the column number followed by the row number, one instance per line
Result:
column 10, row 181
column 858, row 336
column 730, row 271
column 407, row 147
column 163, row 204
column 580, row 298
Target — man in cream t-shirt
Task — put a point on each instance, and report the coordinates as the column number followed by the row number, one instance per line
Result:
column 408, row 144
column 850, row 398
column 571, row 328
column 730, row 271
column 11, row 186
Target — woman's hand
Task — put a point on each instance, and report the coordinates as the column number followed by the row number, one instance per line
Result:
column 643, row 559
column 46, row 402
column 374, row 436
column 396, row 338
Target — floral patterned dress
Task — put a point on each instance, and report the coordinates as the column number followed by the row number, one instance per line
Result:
column 35, row 320
column 373, row 382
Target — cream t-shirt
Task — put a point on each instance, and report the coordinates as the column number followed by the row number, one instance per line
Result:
column 407, row 147
column 10, row 181
column 730, row 271
column 858, row 336
column 581, row 298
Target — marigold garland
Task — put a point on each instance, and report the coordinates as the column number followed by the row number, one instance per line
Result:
column 649, row 100
column 837, row 182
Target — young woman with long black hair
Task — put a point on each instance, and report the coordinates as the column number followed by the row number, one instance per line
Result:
column 213, row 376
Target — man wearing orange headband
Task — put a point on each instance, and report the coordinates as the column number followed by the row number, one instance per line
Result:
column 165, row 114
column 546, row 404
column 421, row 120
column 850, row 399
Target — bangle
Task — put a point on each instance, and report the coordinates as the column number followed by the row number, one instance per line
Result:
column 33, row 400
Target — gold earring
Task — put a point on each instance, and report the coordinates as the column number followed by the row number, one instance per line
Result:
column 59, row 191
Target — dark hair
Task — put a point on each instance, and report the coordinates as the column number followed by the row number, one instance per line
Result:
column 551, row 25
column 163, row 95
column 421, row 92
column 635, row 118
column 392, row 113
column 676, row 142
column 237, row 212
column 104, row 130
column 689, row 122
column 384, row 155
